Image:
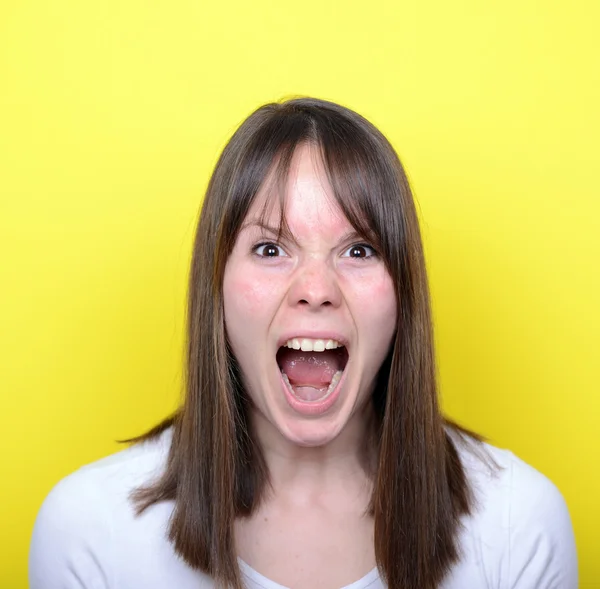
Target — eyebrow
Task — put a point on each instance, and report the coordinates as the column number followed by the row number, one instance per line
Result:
column 261, row 225
column 276, row 231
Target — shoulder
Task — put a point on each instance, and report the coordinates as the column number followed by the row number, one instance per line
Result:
column 520, row 525
column 77, row 528
column 512, row 490
column 105, row 483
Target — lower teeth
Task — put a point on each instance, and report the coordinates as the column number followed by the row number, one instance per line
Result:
column 334, row 381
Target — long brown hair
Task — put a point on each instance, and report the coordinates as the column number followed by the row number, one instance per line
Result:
column 215, row 470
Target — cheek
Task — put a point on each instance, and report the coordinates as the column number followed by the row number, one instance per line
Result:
column 251, row 301
column 385, row 316
column 244, row 311
column 376, row 295
column 377, row 312
column 247, row 294
column 387, row 295
column 244, row 297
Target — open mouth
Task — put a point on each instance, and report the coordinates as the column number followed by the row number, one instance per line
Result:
column 312, row 368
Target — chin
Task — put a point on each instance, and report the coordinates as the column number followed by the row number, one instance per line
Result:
column 310, row 435
column 312, row 431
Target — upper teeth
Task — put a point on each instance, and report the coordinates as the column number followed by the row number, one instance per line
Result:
column 312, row 345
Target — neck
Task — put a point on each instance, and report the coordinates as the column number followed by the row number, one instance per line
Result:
column 346, row 460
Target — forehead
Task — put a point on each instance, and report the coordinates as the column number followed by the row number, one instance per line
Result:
column 303, row 199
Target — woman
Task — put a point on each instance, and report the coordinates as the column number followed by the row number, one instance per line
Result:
column 310, row 451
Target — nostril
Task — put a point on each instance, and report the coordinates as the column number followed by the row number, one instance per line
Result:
column 323, row 304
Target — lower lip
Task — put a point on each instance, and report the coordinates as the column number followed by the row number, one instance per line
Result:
column 312, row 408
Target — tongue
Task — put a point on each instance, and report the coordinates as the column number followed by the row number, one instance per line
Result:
column 310, row 373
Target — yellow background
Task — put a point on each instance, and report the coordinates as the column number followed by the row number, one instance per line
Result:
column 112, row 114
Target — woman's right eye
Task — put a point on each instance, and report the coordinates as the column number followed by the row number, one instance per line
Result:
column 268, row 250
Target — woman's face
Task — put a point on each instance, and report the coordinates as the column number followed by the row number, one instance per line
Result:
column 322, row 289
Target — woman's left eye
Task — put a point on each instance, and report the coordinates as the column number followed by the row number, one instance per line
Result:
column 360, row 250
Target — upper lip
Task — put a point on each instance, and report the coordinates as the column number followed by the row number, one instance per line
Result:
column 309, row 334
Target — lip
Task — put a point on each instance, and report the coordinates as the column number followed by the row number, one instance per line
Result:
column 313, row 408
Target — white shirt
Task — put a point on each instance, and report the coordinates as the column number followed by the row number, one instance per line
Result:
column 86, row 535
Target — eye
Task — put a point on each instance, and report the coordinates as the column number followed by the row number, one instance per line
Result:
column 268, row 250
column 359, row 250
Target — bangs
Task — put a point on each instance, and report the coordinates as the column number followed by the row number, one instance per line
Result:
column 361, row 166
column 344, row 193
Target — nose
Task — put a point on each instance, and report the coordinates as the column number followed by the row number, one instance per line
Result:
column 315, row 285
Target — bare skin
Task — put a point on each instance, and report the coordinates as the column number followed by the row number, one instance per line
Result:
column 313, row 530
column 319, row 541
